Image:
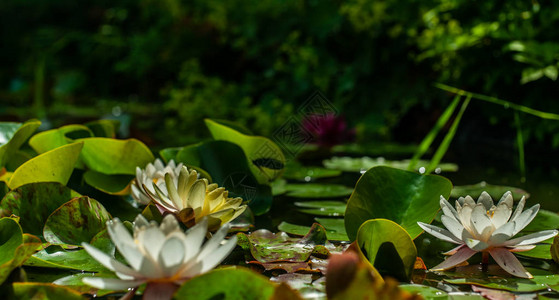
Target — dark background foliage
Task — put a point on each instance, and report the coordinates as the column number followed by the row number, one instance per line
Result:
column 163, row 66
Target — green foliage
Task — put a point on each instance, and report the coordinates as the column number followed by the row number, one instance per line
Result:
column 397, row 195
column 76, row 221
column 52, row 166
column 264, row 157
column 227, row 283
column 388, row 247
column 256, row 61
column 34, row 202
column 15, row 247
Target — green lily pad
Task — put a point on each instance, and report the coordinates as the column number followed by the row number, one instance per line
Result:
column 34, row 290
column 12, row 137
column 227, row 283
column 391, row 244
column 75, row 282
column 542, row 280
column 56, row 257
column 279, row 187
column 542, row 251
column 54, row 138
column 170, row 153
column 76, row 221
column 104, row 128
column 352, row 164
column 111, row 156
column 401, row 196
column 34, row 203
column 335, row 229
column 265, row 158
column 52, row 166
column 15, row 247
column 296, row 171
column 427, row 292
column 544, row 220
column 322, row 208
column 266, row 246
column 110, row 184
column 495, row 191
column 316, row 190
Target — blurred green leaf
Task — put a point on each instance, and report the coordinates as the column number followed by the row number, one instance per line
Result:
column 265, row 158
column 12, row 137
column 317, row 190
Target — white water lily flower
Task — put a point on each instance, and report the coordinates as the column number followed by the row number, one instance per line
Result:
column 161, row 255
column 487, row 228
column 192, row 199
column 153, row 174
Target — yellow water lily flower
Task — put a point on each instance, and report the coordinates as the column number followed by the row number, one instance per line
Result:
column 487, row 228
column 192, row 199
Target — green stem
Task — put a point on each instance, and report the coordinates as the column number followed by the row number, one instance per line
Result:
column 507, row 104
column 520, row 144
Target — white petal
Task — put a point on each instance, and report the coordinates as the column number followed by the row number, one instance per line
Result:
column 194, row 239
column 525, row 218
column 453, row 250
column 214, row 242
column 440, row 233
column 486, row 200
column 531, row 238
column 109, row 262
column 172, row 255
column 501, row 214
column 481, row 223
column 158, row 164
column 140, row 221
column 111, row 283
column 509, row 262
column 151, row 239
column 476, row 245
column 453, row 226
column 124, row 243
column 448, row 209
column 502, row 234
column 506, row 199
column 169, row 224
column 461, row 256
column 211, row 261
column 522, row 248
column 519, row 208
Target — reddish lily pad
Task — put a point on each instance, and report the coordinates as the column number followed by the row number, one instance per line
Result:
column 498, row 279
column 266, row 246
column 34, row 202
column 34, row 290
column 76, row 221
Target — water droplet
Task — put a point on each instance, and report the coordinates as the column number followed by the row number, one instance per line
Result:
column 307, row 178
column 422, row 170
column 117, row 111
column 438, row 170
column 362, row 171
